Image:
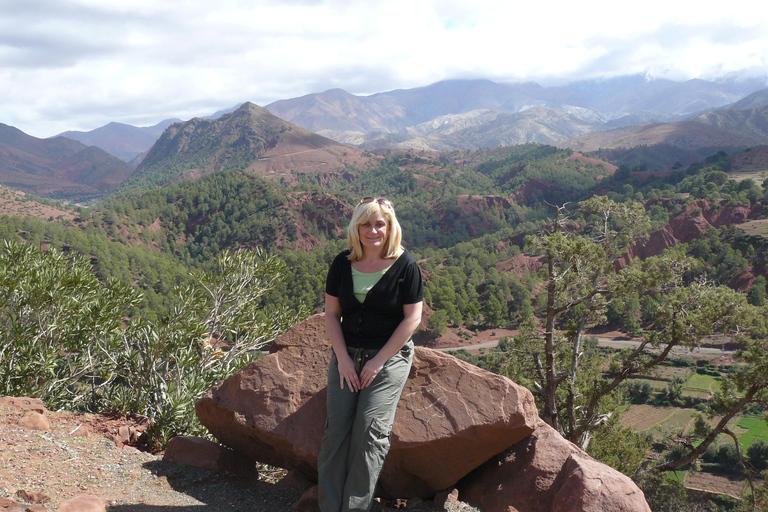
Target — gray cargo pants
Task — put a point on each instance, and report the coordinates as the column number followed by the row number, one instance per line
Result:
column 357, row 429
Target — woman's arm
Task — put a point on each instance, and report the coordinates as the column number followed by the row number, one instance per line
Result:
column 333, row 330
column 401, row 335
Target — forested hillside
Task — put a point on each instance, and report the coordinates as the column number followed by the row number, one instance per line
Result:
column 466, row 214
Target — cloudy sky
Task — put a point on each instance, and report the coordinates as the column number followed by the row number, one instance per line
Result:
column 78, row 64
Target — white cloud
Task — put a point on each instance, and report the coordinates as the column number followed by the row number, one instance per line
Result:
column 67, row 64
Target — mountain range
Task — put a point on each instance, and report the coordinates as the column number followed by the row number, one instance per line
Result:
column 472, row 114
column 326, row 132
column 58, row 167
column 726, row 127
column 121, row 140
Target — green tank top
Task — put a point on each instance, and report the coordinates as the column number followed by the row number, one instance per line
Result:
column 362, row 282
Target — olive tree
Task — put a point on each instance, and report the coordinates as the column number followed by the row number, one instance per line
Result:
column 59, row 325
column 69, row 338
column 218, row 325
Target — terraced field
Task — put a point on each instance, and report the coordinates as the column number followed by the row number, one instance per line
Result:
column 756, row 428
column 655, row 420
column 701, row 386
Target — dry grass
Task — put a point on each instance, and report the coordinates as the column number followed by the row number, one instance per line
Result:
column 643, row 417
column 16, row 203
column 715, row 483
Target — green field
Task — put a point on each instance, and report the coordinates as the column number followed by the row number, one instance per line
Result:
column 699, row 386
column 756, row 428
column 677, row 476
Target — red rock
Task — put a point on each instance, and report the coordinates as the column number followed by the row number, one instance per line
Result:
column 7, row 505
column 594, row 487
column 698, row 217
column 81, row 431
column 453, row 416
column 32, row 497
column 202, row 453
column 35, row 421
column 308, row 501
column 546, row 473
column 124, row 434
column 521, row 264
column 127, row 435
column 24, row 403
column 85, row 503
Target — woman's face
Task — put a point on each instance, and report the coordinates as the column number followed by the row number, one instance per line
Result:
column 373, row 232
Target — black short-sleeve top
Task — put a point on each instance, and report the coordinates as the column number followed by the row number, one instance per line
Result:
column 371, row 323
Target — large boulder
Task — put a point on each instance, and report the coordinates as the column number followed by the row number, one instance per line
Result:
column 546, row 473
column 452, row 416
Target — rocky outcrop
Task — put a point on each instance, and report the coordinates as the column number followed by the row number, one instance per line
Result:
column 452, row 417
column 24, row 403
column 457, row 428
column 34, row 421
column 546, row 473
column 698, row 217
column 521, row 264
column 86, row 503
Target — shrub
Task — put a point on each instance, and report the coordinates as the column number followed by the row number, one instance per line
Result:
column 677, row 452
column 757, row 455
column 674, row 390
column 639, row 391
column 66, row 342
column 622, row 448
column 710, row 455
column 217, row 327
column 727, row 456
column 60, row 326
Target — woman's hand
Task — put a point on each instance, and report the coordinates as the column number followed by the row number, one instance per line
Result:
column 347, row 373
column 370, row 371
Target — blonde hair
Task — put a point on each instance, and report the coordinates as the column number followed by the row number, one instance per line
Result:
column 361, row 215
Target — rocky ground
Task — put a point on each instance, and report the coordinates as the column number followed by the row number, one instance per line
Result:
column 49, row 458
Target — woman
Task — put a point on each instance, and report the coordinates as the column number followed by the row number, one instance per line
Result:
column 373, row 300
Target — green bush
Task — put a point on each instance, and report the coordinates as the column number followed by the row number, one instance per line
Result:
column 674, row 390
column 757, row 455
column 639, row 391
column 60, row 326
column 727, row 456
column 217, row 327
column 622, row 448
column 67, row 344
